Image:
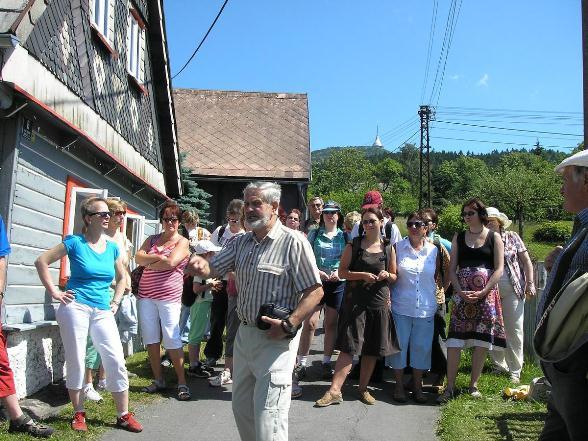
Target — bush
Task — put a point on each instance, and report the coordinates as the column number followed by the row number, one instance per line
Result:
column 450, row 221
column 553, row 232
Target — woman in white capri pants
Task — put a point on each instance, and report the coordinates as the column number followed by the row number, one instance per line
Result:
column 85, row 308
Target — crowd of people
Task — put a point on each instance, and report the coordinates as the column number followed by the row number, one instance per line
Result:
column 254, row 290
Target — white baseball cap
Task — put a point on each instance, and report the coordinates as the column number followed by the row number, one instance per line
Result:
column 580, row 159
column 205, row 246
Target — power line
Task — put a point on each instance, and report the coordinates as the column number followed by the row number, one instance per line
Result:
column 395, row 129
column 502, row 143
column 405, row 141
column 496, row 133
column 508, row 128
column 446, row 45
column 429, row 49
column 507, row 110
column 203, row 39
column 447, row 54
column 400, row 133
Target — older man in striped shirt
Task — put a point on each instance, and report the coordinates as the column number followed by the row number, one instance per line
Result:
column 272, row 264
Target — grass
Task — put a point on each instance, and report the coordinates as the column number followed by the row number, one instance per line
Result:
column 491, row 418
column 102, row 416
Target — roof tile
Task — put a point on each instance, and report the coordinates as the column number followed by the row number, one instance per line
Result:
column 244, row 134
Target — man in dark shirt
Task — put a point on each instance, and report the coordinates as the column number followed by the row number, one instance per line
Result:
column 315, row 208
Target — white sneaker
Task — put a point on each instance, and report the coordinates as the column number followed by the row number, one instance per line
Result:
column 91, row 394
column 221, row 380
column 101, row 385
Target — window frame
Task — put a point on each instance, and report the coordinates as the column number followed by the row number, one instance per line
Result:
column 74, row 187
column 103, row 30
column 136, row 49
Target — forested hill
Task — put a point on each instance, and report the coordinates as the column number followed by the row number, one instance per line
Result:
column 492, row 159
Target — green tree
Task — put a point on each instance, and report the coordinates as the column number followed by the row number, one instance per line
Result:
column 524, row 186
column 460, row 179
column 389, row 174
column 194, row 197
column 344, row 170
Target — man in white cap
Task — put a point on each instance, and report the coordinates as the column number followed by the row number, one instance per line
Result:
column 566, row 408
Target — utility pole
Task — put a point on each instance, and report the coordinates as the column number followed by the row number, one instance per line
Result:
column 426, row 114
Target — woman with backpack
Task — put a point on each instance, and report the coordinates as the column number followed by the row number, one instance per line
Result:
column 366, row 326
column 328, row 242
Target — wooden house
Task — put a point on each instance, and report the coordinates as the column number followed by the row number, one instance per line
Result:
column 231, row 138
column 85, row 109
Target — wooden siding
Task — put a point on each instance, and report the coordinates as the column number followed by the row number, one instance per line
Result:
column 37, row 213
column 63, row 41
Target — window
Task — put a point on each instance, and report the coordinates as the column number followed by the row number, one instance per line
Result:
column 136, row 46
column 102, row 22
column 76, row 191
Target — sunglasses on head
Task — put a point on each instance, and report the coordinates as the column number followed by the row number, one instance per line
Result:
column 415, row 224
column 170, row 219
column 369, row 221
column 118, row 213
column 102, row 214
column 468, row 213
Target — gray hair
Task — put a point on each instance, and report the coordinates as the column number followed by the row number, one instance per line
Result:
column 578, row 173
column 270, row 192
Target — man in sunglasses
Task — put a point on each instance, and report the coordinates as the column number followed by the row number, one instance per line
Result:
column 568, row 370
column 315, row 208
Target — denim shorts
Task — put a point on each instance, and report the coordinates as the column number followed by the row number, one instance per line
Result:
column 333, row 294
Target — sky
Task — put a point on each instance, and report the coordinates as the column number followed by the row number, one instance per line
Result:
column 513, row 65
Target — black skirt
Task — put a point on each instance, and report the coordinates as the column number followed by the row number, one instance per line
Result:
column 366, row 331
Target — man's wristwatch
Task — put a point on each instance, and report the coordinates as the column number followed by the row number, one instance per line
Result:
column 289, row 328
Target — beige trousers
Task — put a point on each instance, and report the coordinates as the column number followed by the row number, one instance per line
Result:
column 513, row 309
column 262, row 383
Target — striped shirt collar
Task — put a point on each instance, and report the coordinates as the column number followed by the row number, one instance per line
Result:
column 274, row 232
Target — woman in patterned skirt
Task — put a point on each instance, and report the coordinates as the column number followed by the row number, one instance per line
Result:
column 477, row 260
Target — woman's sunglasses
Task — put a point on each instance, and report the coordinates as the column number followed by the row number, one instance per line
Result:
column 468, row 213
column 369, row 221
column 118, row 213
column 415, row 224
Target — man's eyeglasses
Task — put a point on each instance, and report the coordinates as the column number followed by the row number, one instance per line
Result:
column 170, row 219
column 295, row 219
column 118, row 213
column 468, row 213
column 415, row 224
column 102, row 214
column 369, row 221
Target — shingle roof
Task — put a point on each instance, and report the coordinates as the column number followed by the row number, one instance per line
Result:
column 244, row 134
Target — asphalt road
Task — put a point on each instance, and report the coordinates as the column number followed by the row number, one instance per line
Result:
column 208, row 416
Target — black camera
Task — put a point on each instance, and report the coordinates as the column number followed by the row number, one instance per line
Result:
column 271, row 310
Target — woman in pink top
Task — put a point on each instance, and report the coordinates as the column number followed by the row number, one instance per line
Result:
column 164, row 257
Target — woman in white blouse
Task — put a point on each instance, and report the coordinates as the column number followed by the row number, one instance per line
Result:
column 414, row 305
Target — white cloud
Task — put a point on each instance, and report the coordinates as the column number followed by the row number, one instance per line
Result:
column 483, row 82
column 456, row 77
